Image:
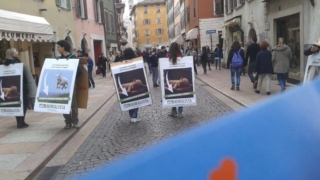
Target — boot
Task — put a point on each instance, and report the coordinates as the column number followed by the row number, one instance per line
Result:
column 173, row 113
column 21, row 123
column 232, row 87
column 68, row 126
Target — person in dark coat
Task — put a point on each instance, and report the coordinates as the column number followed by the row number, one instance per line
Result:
column 154, row 61
column 218, row 56
column 204, row 59
column 252, row 51
column 263, row 67
column 102, row 63
column 235, row 71
column 119, row 57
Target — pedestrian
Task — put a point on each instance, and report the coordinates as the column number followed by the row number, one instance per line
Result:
column 79, row 53
column 209, row 57
column 204, row 59
column 174, row 55
column 119, row 57
column 29, row 88
column 128, row 54
column 312, row 71
column 64, row 49
column 194, row 55
column 111, row 59
column 235, row 63
column 252, row 51
column 90, row 69
column 218, row 56
column 154, row 67
column 162, row 53
column 148, row 60
column 281, row 56
column 102, row 60
column 263, row 67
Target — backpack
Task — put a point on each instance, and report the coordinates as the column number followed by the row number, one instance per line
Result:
column 237, row 60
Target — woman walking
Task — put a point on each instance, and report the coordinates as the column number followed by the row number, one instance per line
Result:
column 204, row 59
column 29, row 86
column 194, row 54
column 209, row 57
column 218, row 56
column 281, row 56
column 235, row 63
column 263, row 67
column 128, row 54
column 102, row 64
column 174, row 55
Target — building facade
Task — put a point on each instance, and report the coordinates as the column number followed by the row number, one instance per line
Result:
column 90, row 28
column 150, row 21
column 57, row 15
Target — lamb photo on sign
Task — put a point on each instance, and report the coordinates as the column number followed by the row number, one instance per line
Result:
column 10, row 91
column 55, row 86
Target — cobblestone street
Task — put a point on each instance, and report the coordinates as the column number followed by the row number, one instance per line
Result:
column 116, row 136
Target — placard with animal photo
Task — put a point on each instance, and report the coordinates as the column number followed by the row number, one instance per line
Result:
column 56, row 86
column 131, row 84
column 11, row 90
column 177, row 82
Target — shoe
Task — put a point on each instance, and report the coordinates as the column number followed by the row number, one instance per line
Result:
column 137, row 120
column 238, row 88
column 179, row 115
column 257, row 91
column 255, row 85
column 173, row 113
column 210, row 69
column 232, row 87
column 220, row 69
column 75, row 125
column 68, row 126
column 94, row 86
column 268, row 93
column 156, row 85
column 133, row 120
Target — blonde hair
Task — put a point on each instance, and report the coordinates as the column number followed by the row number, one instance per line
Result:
column 280, row 42
column 10, row 53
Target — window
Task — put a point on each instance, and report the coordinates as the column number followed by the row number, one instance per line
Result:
column 147, row 32
column 146, row 21
column 158, row 20
column 176, row 11
column 158, row 9
column 147, row 41
column 159, row 31
column 81, row 9
column 65, row 4
column 112, row 23
column 227, row 6
column 194, row 9
column 107, row 21
column 235, row 3
column 218, row 7
column 159, row 40
column 188, row 14
column 146, row 9
column 99, row 11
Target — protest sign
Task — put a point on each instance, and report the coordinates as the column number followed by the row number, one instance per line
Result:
column 11, row 90
column 312, row 68
column 177, row 82
column 131, row 84
column 55, row 89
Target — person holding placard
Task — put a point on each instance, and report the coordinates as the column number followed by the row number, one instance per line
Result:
column 71, row 118
column 29, row 85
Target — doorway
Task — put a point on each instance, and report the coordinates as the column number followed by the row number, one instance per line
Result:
column 97, row 46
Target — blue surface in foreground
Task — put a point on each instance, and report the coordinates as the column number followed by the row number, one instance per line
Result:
column 276, row 139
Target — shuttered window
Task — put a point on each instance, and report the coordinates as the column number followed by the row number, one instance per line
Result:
column 65, row 4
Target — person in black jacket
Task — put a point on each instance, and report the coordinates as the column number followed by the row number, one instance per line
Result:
column 162, row 53
column 119, row 57
column 154, row 67
column 235, row 70
column 102, row 63
column 71, row 118
column 263, row 67
column 204, row 59
column 252, row 51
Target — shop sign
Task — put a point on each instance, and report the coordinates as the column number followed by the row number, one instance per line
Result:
column 17, row 35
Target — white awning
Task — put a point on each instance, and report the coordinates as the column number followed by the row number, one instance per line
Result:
column 24, row 27
column 178, row 39
column 192, row 34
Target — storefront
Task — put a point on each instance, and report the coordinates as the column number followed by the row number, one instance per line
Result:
column 31, row 36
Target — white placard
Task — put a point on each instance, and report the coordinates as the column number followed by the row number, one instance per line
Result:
column 56, row 84
column 131, row 85
column 177, row 82
column 312, row 68
column 11, row 89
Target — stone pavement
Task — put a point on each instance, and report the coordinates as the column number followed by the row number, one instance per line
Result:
column 24, row 151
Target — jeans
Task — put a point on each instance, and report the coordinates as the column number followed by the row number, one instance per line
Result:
column 180, row 109
column 204, row 65
column 154, row 75
column 209, row 61
column 72, row 117
column 237, row 72
column 282, row 80
column 267, row 77
column 150, row 70
column 250, row 72
column 194, row 66
column 90, row 78
column 133, row 113
column 218, row 63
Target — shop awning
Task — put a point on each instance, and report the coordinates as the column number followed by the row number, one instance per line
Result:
column 192, row 34
column 24, row 27
column 178, row 39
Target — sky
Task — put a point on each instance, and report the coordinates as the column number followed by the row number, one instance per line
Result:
column 126, row 10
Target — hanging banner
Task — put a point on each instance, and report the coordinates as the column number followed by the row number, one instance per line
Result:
column 312, row 68
column 56, row 84
column 177, row 82
column 11, row 90
column 131, row 84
